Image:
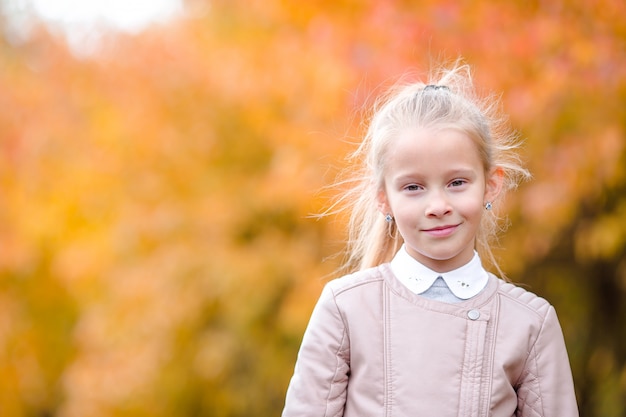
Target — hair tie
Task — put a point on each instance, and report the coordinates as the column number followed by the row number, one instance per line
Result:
column 436, row 87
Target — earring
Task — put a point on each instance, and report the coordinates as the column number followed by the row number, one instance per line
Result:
column 388, row 218
column 488, row 205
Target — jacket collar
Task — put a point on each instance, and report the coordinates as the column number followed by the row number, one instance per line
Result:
column 464, row 282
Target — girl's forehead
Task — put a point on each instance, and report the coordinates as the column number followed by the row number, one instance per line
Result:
column 431, row 138
column 433, row 148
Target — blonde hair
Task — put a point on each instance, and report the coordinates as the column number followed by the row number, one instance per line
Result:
column 448, row 100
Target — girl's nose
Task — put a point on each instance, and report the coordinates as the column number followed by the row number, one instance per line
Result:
column 437, row 205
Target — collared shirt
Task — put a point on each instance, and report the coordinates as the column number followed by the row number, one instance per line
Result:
column 464, row 282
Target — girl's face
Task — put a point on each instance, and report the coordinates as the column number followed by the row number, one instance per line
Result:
column 435, row 187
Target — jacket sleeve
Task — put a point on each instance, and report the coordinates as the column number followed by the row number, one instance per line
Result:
column 318, row 386
column 547, row 388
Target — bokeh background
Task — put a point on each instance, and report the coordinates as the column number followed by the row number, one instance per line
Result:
column 157, row 257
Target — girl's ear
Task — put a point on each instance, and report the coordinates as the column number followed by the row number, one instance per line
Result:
column 493, row 184
column 383, row 202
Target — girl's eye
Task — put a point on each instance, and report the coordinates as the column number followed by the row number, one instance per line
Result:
column 457, row 183
column 412, row 187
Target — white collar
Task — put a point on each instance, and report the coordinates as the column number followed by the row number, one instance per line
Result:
column 464, row 282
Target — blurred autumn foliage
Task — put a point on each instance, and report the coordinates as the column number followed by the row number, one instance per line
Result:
column 156, row 254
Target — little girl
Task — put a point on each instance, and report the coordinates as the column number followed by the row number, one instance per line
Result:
column 421, row 328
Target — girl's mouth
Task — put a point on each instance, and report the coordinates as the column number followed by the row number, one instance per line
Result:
column 441, row 231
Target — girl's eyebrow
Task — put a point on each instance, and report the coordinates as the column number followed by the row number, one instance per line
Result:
column 408, row 178
column 462, row 172
column 417, row 176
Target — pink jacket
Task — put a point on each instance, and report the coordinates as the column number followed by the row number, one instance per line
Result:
column 373, row 348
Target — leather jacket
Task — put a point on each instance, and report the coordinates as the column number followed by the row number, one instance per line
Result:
column 374, row 348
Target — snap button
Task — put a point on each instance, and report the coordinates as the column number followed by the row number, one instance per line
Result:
column 473, row 314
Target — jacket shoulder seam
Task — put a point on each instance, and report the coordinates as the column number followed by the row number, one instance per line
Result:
column 538, row 305
column 357, row 279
